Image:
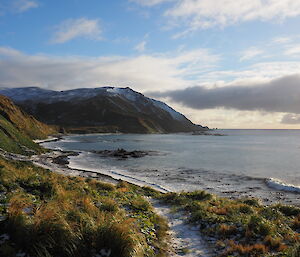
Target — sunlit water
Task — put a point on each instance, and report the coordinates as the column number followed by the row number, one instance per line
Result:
column 237, row 164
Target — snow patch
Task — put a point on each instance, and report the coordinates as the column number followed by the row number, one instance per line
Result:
column 125, row 92
column 175, row 115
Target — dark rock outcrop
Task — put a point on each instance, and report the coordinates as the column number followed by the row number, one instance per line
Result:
column 123, row 154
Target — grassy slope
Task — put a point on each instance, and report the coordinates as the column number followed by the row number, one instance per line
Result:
column 12, row 140
column 22, row 121
column 242, row 227
column 17, row 129
column 46, row 214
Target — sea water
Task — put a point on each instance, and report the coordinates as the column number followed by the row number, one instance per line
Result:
column 242, row 163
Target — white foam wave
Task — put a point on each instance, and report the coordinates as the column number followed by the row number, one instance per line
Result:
column 280, row 185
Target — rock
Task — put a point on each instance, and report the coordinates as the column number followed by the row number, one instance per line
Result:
column 61, row 160
column 122, row 153
column 205, row 133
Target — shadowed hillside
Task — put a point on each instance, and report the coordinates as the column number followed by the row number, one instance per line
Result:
column 105, row 109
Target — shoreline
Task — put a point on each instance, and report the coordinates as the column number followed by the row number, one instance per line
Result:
column 47, row 161
column 279, row 191
column 185, row 235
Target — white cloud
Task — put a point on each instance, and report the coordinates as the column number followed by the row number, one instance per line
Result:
column 293, row 50
column 208, row 13
column 257, row 73
column 282, row 40
column 203, row 14
column 250, row 53
column 150, row 2
column 8, row 52
column 142, row 73
column 17, row 6
column 291, row 118
column 76, row 28
column 24, row 5
column 141, row 47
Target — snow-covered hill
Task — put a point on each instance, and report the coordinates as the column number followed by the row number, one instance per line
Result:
column 152, row 115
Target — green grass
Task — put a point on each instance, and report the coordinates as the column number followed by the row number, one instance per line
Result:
column 241, row 227
column 17, row 129
column 12, row 140
column 46, row 214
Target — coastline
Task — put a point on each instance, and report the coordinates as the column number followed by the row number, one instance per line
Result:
column 272, row 190
column 181, row 235
column 195, row 227
column 47, row 161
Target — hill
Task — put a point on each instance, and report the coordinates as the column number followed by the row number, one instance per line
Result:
column 17, row 129
column 106, row 109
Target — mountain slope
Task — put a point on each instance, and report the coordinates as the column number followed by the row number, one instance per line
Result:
column 17, row 129
column 106, row 109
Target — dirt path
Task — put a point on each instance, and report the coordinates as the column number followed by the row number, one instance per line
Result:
column 185, row 239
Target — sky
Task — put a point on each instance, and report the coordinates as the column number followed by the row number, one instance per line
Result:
column 222, row 63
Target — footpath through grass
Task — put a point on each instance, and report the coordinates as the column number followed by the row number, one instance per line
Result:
column 241, row 227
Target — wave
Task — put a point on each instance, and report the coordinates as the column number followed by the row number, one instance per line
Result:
column 282, row 186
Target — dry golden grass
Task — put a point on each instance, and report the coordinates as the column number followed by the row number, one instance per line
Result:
column 246, row 250
column 54, row 215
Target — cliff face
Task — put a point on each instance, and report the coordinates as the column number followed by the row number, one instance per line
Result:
column 104, row 109
column 17, row 129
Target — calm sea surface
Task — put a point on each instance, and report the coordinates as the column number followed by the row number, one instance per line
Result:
column 237, row 164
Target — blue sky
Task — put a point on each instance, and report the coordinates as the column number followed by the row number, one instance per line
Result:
column 162, row 48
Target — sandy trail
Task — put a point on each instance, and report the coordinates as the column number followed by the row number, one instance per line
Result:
column 185, row 239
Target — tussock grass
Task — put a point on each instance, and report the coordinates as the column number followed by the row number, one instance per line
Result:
column 47, row 214
column 241, row 227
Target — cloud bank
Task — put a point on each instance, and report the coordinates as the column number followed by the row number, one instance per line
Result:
column 142, row 72
column 277, row 95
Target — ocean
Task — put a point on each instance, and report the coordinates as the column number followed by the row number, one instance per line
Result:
column 242, row 163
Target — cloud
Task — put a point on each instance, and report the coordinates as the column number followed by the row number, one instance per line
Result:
column 8, row 52
column 150, row 2
column 277, row 95
column 282, row 40
column 24, row 5
column 77, row 28
column 17, row 6
column 293, row 50
column 290, row 119
column 260, row 72
column 142, row 72
column 203, row 14
column 141, row 47
column 250, row 53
